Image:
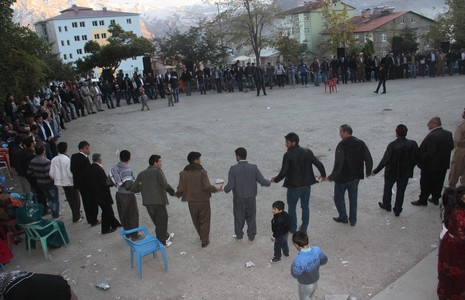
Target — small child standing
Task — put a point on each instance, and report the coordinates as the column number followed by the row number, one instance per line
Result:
column 144, row 99
column 169, row 93
column 306, row 265
column 280, row 226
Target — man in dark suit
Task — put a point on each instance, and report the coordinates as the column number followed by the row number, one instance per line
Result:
column 46, row 134
column 100, row 192
column 242, row 180
column 399, row 162
column 79, row 167
column 434, row 160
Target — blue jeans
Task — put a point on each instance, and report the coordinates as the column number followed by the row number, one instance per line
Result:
column 51, row 193
column 339, row 191
column 176, row 94
column 281, row 243
column 387, row 194
column 293, row 196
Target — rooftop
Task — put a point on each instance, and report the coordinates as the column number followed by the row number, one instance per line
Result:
column 79, row 12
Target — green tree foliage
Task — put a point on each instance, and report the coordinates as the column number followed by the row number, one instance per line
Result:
column 200, row 44
column 120, row 46
column 339, row 32
column 408, row 42
column 251, row 24
column 369, row 48
column 26, row 60
column 449, row 27
column 289, row 48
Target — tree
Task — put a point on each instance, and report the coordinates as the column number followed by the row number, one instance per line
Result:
column 200, row 44
column 120, row 46
column 369, row 48
column 407, row 41
column 289, row 48
column 251, row 24
column 449, row 27
column 339, row 31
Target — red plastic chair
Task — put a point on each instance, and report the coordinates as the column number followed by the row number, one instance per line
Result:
column 11, row 230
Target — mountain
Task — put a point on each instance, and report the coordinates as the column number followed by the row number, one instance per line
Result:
column 157, row 19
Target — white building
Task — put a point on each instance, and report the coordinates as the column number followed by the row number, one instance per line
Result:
column 75, row 26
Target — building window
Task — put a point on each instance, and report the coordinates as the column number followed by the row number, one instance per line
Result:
column 68, row 43
column 65, row 57
column 402, row 20
column 306, row 17
column 104, row 35
column 70, row 56
column 79, row 51
column 82, row 24
column 74, row 24
column 66, row 28
column 84, row 37
column 96, row 36
column 383, row 38
column 129, row 21
column 413, row 20
column 85, row 51
column 112, row 22
column 94, row 23
column 62, row 43
column 76, row 38
column 356, row 36
column 59, row 28
column 307, row 30
column 101, row 23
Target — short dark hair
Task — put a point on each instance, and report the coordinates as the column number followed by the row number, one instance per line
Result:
column 27, row 142
column 292, row 137
column 44, row 115
column 346, row 128
column 153, row 159
column 436, row 120
column 125, row 156
column 193, row 156
column 96, row 157
column 279, row 205
column 62, row 147
column 83, row 144
column 241, row 152
column 401, row 130
column 300, row 238
column 40, row 149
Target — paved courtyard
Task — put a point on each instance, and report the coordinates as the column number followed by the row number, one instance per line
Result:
column 363, row 260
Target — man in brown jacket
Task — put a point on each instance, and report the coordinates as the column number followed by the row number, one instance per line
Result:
column 195, row 188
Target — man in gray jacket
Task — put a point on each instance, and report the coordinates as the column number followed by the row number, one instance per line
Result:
column 242, row 180
column 153, row 185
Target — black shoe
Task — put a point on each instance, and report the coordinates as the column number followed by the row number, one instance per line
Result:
column 112, row 229
column 353, row 223
column 376, row 92
column 383, row 93
column 397, row 213
column 275, row 260
column 419, row 203
column 286, row 254
column 204, row 245
column 435, row 202
column 95, row 224
column 383, row 207
column 340, row 220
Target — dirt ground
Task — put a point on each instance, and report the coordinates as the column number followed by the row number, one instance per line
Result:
column 363, row 259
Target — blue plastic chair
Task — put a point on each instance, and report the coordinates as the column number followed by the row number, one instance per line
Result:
column 149, row 244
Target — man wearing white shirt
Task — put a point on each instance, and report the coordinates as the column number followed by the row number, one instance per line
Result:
column 60, row 172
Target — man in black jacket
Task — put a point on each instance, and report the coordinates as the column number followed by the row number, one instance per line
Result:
column 351, row 155
column 399, row 162
column 297, row 171
column 433, row 160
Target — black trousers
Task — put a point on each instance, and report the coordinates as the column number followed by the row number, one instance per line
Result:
column 431, row 183
column 108, row 218
column 159, row 217
column 74, row 201
column 90, row 206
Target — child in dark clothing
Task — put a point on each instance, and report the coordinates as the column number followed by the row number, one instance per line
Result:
column 306, row 266
column 280, row 226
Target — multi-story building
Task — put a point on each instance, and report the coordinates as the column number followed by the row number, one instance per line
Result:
column 306, row 23
column 381, row 25
column 75, row 26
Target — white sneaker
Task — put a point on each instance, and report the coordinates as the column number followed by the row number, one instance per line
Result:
column 170, row 237
column 168, row 243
